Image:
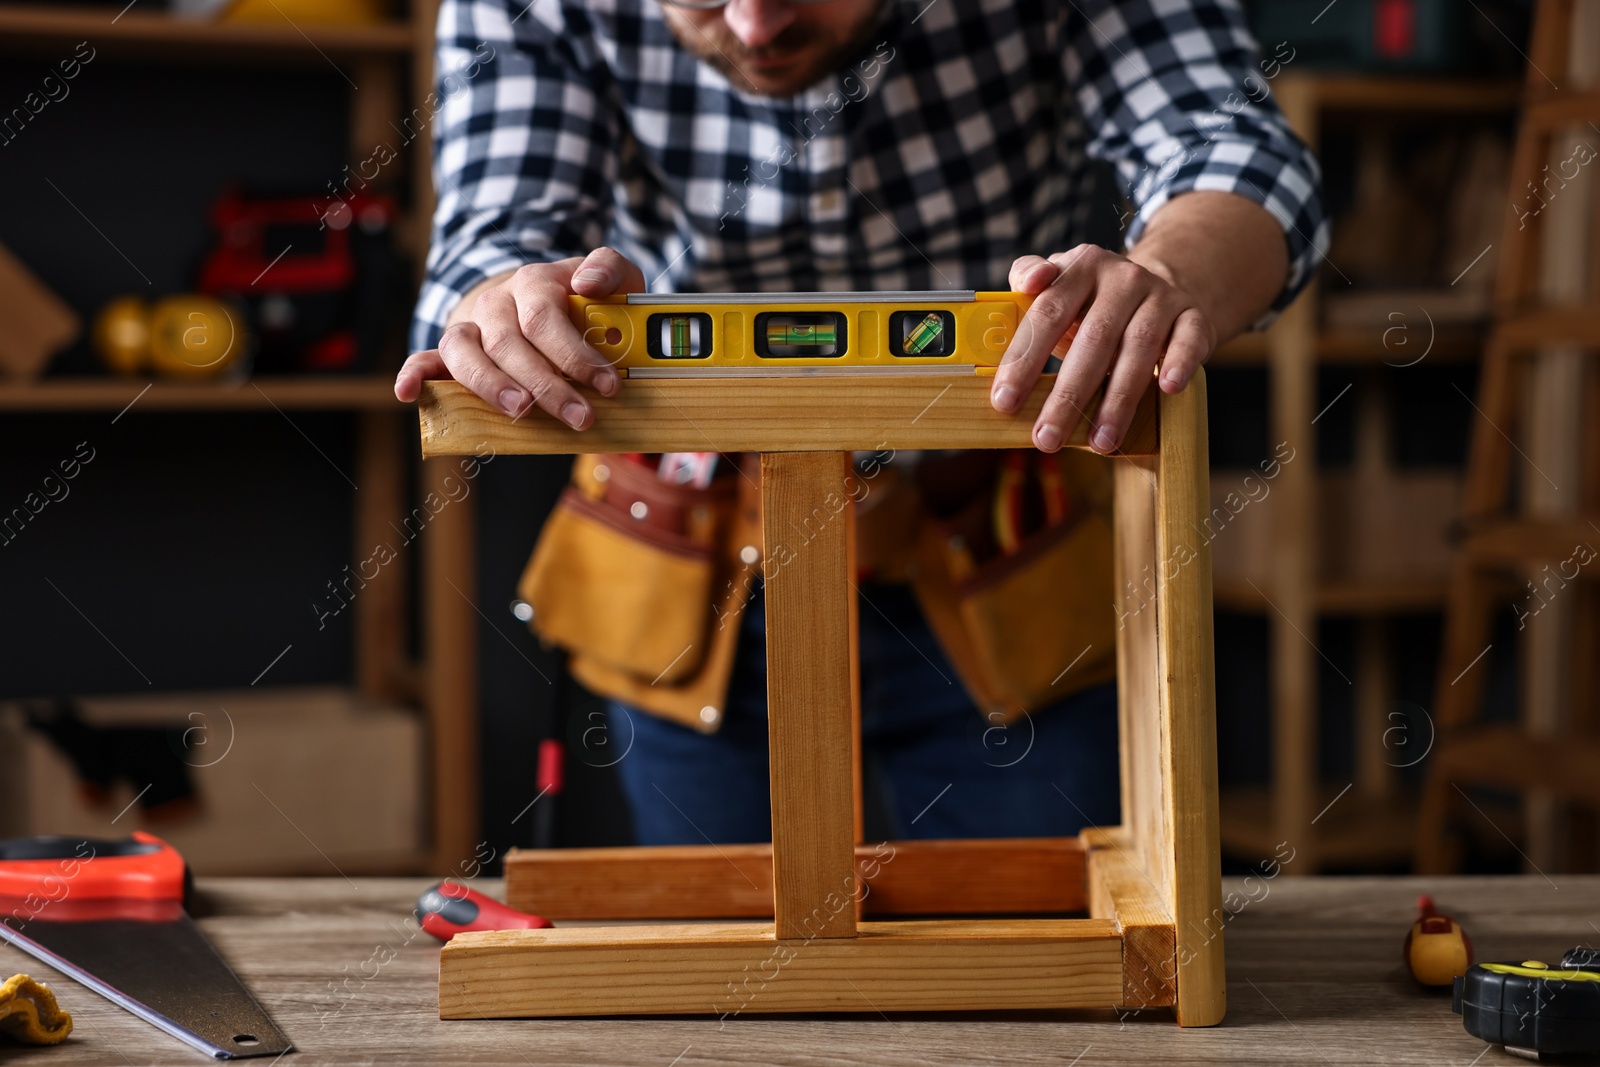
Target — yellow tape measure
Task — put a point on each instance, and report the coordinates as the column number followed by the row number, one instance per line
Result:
column 735, row 335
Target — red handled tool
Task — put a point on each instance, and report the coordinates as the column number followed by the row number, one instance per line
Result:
column 448, row 909
column 109, row 914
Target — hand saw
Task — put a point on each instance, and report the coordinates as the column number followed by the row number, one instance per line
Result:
column 110, row 915
column 738, row 335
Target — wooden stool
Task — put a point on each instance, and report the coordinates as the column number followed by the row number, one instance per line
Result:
column 1151, row 886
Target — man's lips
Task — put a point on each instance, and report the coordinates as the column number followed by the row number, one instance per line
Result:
column 777, row 62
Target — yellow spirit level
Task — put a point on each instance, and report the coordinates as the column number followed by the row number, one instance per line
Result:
column 738, row 335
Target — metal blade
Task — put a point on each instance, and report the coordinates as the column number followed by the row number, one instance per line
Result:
column 164, row 971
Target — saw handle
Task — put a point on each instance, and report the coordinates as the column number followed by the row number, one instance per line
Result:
column 447, row 909
column 141, row 867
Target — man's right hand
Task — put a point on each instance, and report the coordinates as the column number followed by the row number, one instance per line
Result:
column 511, row 340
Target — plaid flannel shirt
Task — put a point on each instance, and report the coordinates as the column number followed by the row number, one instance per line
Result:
column 960, row 137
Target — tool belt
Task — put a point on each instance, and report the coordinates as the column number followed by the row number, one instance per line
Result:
column 643, row 582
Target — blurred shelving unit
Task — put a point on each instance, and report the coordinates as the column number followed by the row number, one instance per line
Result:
column 392, row 63
column 1315, row 557
column 136, row 33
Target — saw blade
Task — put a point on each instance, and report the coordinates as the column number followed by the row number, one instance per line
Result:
column 150, row 958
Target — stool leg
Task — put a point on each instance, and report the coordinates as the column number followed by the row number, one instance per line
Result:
column 810, row 604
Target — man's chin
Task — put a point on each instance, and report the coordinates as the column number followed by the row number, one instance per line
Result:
column 777, row 80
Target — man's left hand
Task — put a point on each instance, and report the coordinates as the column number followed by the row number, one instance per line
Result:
column 1129, row 321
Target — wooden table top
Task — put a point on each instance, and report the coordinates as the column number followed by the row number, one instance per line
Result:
column 1314, row 976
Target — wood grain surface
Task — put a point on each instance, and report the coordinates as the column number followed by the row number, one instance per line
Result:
column 967, row 877
column 1314, row 977
column 1122, row 891
column 728, row 969
column 806, row 512
column 761, row 415
column 1187, row 664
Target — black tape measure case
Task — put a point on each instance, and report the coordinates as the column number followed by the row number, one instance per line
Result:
column 1533, row 1006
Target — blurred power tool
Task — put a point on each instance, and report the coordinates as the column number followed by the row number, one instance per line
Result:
column 316, row 276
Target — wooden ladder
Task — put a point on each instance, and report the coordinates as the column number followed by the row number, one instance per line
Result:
column 1547, row 322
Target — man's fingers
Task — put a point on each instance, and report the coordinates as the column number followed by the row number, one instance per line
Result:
column 503, row 329
column 419, row 367
column 1118, row 294
column 1050, row 316
column 1030, row 274
column 540, row 313
column 605, row 272
column 537, row 383
column 1142, row 341
column 1191, row 345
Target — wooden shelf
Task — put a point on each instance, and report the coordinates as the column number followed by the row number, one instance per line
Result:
column 1356, row 830
column 30, row 27
column 114, row 394
column 1422, row 94
column 1343, row 597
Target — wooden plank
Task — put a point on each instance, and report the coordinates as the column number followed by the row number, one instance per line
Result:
column 1510, row 757
column 763, row 415
column 374, row 111
column 1120, row 890
column 114, row 394
column 1370, row 92
column 414, row 227
column 994, row 876
column 1293, row 605
column 450, row 628
column 210, row 40
column 810, row 598
column 1037, row 875
column 1188, row 706
column 1374, row 697
column 380, row 610
column 729, row 969
column 1357, row 831
column 1139, row 588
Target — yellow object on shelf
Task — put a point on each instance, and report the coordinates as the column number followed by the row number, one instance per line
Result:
column 187, row 336
column 121, row 335
column 192, row 336
column 29, row 1013
column 336, row 12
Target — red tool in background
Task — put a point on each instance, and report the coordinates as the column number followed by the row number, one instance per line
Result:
column 449, row 908
column 317, row 286
column 110, row 914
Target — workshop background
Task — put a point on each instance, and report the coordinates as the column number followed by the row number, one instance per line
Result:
column 201, row 641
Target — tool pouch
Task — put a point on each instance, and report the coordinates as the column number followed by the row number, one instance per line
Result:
column 1030, row 625
column 632, row 576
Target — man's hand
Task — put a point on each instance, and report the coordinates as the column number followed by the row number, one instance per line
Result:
column 1128, row 319
column 511, row 340
column 1208, row 265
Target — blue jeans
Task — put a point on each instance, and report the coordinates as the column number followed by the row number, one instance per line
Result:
column 946, row 770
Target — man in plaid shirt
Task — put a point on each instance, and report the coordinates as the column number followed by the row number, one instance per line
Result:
column 608, row 146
